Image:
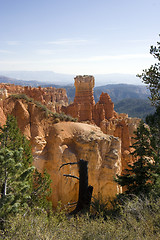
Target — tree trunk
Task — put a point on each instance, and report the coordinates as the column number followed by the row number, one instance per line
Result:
column 85, row 191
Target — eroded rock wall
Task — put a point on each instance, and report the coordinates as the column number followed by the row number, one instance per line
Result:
column 69, row 142
column 106, row 147
column 82, row 107
column 53, row 98
column 103, row 115
column 31, row 120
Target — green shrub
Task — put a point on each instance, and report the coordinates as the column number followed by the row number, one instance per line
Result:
column 56, row 120
column 63, row 117
column 22, row 96
column 48, row 113
column 99, row 206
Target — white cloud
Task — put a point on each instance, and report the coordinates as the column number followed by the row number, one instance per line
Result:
column 6, row 51
column 13, row 43
column 68, row 42
column 119, row 57
column 104, row 58
column 75, row 60
column 129, row 63
column 45, row 52
column 48, row 52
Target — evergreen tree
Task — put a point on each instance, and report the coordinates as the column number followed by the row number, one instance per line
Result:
column 139, row 179
column 153, row 121
column 41, row 190
column 21, row 187
column 15, row 182
column 13, row 139
column 151, row 76
column 144, row 175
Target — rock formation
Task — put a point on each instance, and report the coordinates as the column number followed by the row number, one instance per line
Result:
column 82, row 107
column 55, row 144
column 31, row 120
column 102, row 114
column 69, row 142
column 106, row 146
column 53, row 98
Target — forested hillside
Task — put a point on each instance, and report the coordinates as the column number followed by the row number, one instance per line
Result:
column 134, row 107
column 117, row 92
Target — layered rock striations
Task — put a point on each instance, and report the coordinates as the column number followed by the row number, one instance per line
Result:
column 102, row 114
column 82, row 107
column 55, row 144
column 53, row 98
column 31, row 119
column 69, row 142
column 104, row 142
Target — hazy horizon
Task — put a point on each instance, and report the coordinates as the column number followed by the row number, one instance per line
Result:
column 50, row 77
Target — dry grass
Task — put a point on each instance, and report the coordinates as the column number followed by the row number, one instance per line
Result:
column 136, row 220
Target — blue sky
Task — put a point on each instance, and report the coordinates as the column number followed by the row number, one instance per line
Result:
column 78, row 36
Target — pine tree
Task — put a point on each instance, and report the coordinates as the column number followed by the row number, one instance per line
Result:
column 14, row 182
column 144, row 175
column 21, row 187
column 139, row 176
column 13, row 139
column 41, row 190
column 151, row 76
column 153, row 121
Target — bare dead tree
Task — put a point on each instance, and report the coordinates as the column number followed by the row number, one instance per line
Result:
column 85, row 191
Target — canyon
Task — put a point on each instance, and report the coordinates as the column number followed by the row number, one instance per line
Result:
column 101, row 136
column 103, row 115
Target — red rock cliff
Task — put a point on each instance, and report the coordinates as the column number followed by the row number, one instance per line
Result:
column 53, row 98
column 102, row 114
column 55, row 144
column 82, row 108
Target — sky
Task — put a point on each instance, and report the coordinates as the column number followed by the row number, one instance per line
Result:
column 78, row 36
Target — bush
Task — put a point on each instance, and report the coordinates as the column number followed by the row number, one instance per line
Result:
column 22, row 96
column 99, row 207
column 57, row 117
column 63, row 117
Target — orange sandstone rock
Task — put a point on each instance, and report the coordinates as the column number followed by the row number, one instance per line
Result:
column 82, row 108
column 107, row 150
column 53, row 98
column 102, row 114
column 69, row 142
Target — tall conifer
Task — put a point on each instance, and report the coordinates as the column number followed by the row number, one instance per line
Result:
column 138, row 179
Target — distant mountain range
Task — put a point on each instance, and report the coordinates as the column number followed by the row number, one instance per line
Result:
column 128, row 98
column 64, row 79
column 40, row 76
column 4, row 79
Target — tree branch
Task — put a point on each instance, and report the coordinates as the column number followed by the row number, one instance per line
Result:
column 71, row 163
column 73, row 203
column 69, row 175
